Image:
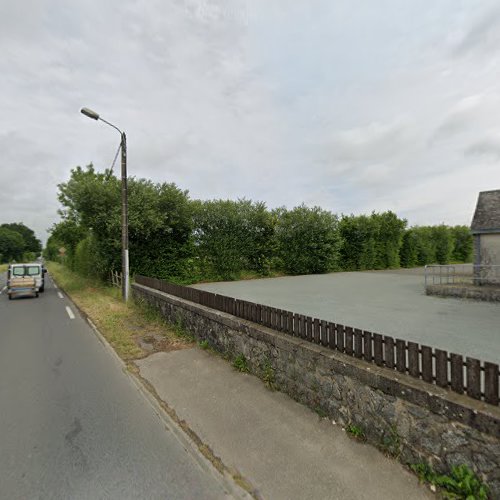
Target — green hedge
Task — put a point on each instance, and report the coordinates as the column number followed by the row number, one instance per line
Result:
column 184, row 240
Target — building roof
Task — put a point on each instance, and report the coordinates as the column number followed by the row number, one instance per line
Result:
column 487, row 215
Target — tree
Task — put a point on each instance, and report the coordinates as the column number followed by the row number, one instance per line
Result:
column 355, row 232
column 231, row 236
column 462, row 244
column 259, row 228
column 31, row 242
column 160, row 223
column 371, row 242
column 408, row 254
column 443, row 243
column 65, row 234
column 12, row 245
column 160, row 230
column 388, row 240
column 426, row 248
column 308, row 240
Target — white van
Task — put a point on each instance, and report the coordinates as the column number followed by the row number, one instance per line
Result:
column 33, row 270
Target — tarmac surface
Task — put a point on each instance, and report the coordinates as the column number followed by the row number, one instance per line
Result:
column 72, row 423
column 388, row 302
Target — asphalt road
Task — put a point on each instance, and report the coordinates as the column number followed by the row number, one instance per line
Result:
column 72, row 424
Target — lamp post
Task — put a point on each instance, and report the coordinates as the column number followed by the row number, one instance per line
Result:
column 123, row 144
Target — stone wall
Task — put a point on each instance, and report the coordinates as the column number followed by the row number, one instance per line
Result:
column 490, row 249
column 486, row 293
column 408, row 419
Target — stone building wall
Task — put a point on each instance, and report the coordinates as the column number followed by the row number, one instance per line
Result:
column 490, row 256
column 410, row 420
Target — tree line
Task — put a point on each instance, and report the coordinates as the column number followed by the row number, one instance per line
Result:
column 183, row 240
column 18, row 243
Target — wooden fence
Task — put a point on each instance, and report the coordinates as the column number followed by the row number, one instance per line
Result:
column 477, row 379
column 116, row 279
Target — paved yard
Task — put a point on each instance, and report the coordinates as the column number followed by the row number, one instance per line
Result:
column 389, row 302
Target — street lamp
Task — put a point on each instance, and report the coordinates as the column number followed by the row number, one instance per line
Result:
column 123, row 145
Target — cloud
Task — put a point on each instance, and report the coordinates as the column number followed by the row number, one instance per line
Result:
column 488, row 148
column 483, row 36
column 461, row 116
column 350, row 107
column 373, row 142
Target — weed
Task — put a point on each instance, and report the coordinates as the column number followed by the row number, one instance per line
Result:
column 241, row 363
column 391, row 443
column 356, row 432
column 268, row 375
column 461, row 483
column 322, row 413
column 204, row 344
column 181, row 331
column 120, row 323
column 423, row 471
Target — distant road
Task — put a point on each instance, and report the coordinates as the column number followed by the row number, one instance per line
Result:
column 72, row 425
column 3, row 283
column 388, row 302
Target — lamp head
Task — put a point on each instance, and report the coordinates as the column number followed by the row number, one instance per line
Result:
column 91, row 114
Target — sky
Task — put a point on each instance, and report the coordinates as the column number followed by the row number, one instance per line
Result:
column 355, row 106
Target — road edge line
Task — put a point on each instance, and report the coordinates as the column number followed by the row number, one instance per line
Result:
column 224, row 477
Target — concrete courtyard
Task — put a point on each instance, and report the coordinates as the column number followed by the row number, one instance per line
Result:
column 390, row 302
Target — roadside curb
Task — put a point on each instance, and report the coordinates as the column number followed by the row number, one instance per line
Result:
column 190, row 446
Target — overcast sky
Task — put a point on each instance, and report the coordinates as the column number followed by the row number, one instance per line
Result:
column 350, row 105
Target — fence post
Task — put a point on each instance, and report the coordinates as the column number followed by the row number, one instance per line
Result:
column 413, row 361
column 473, row 378
column 332, row 343
column 367, row 346
column 389, row 352
column 441, row 368
column 349, row 349
column 377, row 349
column 340, row 338
column 358, row 343
column 401, row 355
column 491, row 383
column 427, row 364
column 457, row 373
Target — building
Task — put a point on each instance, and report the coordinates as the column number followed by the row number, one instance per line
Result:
column 485, row 229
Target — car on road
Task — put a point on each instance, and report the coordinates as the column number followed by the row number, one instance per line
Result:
column 31, row 271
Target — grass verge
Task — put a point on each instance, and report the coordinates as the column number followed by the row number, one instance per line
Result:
column 3, row 267
column 134, row 330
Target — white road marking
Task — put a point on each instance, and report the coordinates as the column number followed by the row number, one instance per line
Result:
column 2, row 289
column 60, row 295
column 70, row 312
column 55, row 286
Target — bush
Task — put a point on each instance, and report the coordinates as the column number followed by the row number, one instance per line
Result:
column 426, row 249
column 462, row 244
column 443, row 243
column 408, row 254
column 232, row 236
column 460, row 483
column 308, row 240
column 86, row 260
column 371, row 242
